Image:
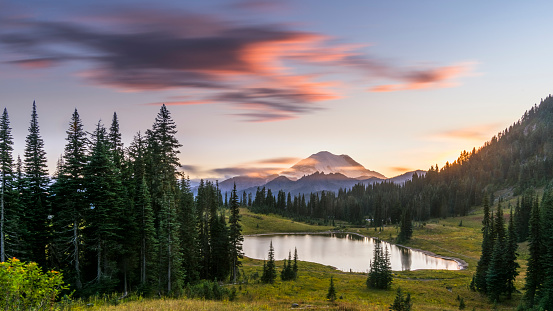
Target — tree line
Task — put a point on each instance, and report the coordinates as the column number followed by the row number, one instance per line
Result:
column 114, row 218
column 519, row 157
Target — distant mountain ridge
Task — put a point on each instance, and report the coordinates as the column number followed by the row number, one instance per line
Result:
column 322, row 171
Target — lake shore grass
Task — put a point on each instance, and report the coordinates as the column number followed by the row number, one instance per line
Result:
column 458, row 237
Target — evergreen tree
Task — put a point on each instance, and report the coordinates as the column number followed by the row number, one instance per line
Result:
column 104, row 217
column 331, row 295
column 400, row 303
column 188, row 233
column 295, row 266
column 406, row 228
column 220, row 249
column 480, row 282
column 9, row 213
column 161, row 167
column 235, row 234
column 269, row 269
column 144, row 214
column 496, row 280
column 203, row 199
column 69, row 201
column 115, row 144
column 147, row 234
column 545, row 293
column 170, row 252
column 287, row 272
column 511, row 265
column 35, row 196
column 535, row 269
column 380, row 272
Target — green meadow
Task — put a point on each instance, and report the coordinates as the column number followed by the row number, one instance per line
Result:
column 458, row 237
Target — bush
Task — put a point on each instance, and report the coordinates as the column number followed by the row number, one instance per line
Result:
column 210, row 290
column 23, row 286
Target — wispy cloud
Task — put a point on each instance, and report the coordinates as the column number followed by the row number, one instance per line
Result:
column 259, row 5
column 476, row 133
column 400, row 169
column 279, row 161
column 229, row 172
column 441, row 77
column 258, row 70
column 190, row 169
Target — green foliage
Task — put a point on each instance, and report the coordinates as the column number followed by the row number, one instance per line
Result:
column 210, row 290
column 400, row 303
column 536, row 248
column 269, row 268
column 25, row 287
column 462, row 304
column 34, row 195
column 380, row 272
column 406, row 227
column 331, row 295
column 235, row 234
column 479, row 279
column 290, row 271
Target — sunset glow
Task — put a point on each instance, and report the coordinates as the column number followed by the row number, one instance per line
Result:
column 256, row 86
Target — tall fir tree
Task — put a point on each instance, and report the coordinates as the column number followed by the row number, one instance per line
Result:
column 545, row 293
column 35, row 195
column 115, row 143
column 534, row 269
column 220, row 248
column 104, row 218
column 188, row 233
column 269, row 268
column 331, row 294
column 479, row 280
column 496, row 282
column 380, row 271
column 161, row 172
column 406, row 228
column 511, row 265
column 235, row 234
column 144, row 215
column 9, row 212
column 69, row 203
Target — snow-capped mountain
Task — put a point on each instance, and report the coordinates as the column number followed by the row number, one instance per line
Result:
column 328, row 163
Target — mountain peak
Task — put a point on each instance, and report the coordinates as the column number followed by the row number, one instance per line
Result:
column 328, row 163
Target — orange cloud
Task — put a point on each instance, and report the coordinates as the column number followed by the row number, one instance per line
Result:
column 267, row 72
column 480, row 133
column 279, row 161
column 400, row 169
column 36, row 63
column 178, row 103
column 427, row 79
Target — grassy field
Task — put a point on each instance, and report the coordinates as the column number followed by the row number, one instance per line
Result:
column 458, row 237
column 259, row 224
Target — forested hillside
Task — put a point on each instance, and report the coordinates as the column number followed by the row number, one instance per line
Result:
column 519, row 157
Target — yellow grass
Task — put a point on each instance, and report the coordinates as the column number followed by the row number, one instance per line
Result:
column 429, row 289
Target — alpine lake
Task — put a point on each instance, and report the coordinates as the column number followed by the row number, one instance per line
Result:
column 347, row 252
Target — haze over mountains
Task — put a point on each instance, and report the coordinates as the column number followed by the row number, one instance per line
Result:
column 320, row 171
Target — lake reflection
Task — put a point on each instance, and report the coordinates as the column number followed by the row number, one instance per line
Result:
column 346, row 252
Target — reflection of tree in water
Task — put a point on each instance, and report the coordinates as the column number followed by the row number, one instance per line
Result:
column 347, row 236
column 405, row 258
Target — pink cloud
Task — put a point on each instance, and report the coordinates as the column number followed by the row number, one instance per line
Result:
column 427, row 79
column 257, row 70
column 182, row 103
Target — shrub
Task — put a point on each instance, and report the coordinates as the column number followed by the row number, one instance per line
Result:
column 23, row 286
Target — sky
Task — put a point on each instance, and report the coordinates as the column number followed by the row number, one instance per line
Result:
column 254, row 86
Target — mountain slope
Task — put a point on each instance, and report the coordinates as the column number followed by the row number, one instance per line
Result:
column 328, row 163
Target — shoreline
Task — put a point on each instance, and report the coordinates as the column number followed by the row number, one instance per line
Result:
column 463, row 265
